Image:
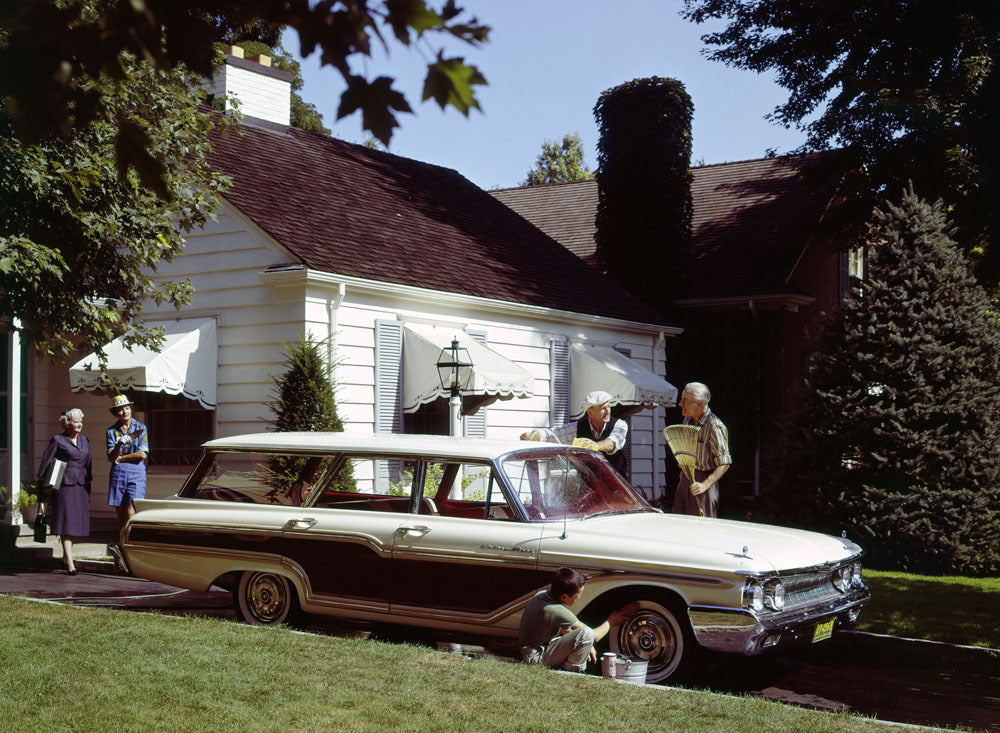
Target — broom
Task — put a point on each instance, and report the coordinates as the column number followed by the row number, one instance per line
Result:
column 683, row 442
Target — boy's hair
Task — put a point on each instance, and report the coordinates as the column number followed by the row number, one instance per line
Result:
column 567, row 582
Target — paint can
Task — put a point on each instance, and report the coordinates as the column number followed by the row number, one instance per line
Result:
column 608, row 664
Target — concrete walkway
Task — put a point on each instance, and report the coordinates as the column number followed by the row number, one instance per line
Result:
column 90, row 554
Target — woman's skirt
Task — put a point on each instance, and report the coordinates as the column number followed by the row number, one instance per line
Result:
column 71, row 511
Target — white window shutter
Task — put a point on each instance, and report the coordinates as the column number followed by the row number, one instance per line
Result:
column 475, row 424
column 388, row 391
column 559, row 408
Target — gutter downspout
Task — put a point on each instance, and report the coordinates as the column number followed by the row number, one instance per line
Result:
column 333, row 311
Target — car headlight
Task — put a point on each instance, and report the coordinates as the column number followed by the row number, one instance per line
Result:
column 774, row 595
column 753, row 596
column 856, row 578
column 842, row 578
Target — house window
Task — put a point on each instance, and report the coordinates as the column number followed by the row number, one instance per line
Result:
column 431, row 418
column 856, row 263
column 177, row 428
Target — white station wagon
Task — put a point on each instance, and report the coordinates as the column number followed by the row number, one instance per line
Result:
column 458, row 534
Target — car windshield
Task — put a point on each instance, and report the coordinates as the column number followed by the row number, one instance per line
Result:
column 569, row 484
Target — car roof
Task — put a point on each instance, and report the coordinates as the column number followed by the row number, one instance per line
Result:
column 385, row 443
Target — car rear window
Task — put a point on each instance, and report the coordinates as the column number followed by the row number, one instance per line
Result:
column 257, row 478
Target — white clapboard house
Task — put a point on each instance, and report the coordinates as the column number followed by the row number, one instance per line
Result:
column 385, row 261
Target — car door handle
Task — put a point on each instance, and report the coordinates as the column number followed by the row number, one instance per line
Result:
column 420, row 531
column 304, row 523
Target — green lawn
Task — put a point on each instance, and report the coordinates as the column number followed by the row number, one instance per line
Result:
column 950, row 609
column 84, row 669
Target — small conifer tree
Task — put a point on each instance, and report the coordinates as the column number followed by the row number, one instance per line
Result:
column 895, row 439
column 305, row 402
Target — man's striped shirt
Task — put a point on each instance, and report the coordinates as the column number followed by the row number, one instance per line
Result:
column 713, row 441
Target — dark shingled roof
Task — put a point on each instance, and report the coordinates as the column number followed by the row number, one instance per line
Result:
column 347, row 209
column 751, row 221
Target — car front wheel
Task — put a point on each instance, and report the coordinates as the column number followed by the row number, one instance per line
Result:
column 654, row 634
column 265, row 599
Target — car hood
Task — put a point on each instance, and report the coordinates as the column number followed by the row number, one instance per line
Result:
column 681, row 540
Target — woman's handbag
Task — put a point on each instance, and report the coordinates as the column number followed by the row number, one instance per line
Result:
column 40, row 528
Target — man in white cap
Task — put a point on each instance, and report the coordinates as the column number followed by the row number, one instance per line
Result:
column 595, row 430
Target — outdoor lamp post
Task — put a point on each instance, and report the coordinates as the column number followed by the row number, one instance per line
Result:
column 454, row 371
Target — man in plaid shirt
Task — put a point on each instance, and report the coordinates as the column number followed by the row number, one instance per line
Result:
column 713, row 455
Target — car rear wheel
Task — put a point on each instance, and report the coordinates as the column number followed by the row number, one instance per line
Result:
column 265, row 599
column 654, row 634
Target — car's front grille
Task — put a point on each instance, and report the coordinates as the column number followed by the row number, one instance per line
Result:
column 801, row 590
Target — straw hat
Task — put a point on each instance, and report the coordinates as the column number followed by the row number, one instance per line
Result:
column 119, row 401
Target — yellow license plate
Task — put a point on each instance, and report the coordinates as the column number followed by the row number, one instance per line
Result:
column 823, row 631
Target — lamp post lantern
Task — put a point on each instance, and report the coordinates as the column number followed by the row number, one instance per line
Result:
column 454, row 368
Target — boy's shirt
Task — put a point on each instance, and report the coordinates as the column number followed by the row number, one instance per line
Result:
column 542, row 618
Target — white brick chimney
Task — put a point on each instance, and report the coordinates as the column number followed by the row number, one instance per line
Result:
column 263, row 92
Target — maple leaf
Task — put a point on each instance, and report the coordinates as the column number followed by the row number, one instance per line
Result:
column 375, row 100
column 449, row 82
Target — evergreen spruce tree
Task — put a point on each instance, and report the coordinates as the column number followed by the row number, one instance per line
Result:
column 305, row 402
column 896, row 436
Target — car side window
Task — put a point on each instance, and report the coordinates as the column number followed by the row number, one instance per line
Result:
column 369, row 483
column 468, row 490
column 257, row 478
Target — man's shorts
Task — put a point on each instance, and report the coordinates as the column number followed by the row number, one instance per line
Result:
column 127, row 482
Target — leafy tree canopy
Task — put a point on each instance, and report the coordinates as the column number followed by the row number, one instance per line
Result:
column 909, row 89
column 893, row 438
column 48, row 46
column 80, row 237
column 560, row 162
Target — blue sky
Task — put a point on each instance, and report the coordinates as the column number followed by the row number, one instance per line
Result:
column 546, row 63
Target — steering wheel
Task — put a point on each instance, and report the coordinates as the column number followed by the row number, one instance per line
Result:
column 588, row 500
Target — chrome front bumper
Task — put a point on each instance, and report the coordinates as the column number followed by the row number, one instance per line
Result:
column 739, row 631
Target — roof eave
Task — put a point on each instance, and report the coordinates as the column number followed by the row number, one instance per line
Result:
column 771, row 301
column 300, row 275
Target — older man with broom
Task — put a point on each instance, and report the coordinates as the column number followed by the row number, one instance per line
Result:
column 701, row 496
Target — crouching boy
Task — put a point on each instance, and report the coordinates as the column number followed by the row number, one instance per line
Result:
column 550, row 632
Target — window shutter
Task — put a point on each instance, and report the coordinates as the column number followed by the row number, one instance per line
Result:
column 843, row 274
column 388, row 392
column 475, row 424
column 559, row 409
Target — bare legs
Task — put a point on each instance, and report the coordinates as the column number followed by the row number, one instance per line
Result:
column 124, row 512
column 67, row 547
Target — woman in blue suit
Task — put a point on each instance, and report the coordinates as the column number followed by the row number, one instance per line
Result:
column 71, row 498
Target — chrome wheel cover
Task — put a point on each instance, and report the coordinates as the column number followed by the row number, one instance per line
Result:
column 653, row 635
column 267, row 598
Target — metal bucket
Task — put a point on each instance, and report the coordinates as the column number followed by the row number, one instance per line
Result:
column 625, row 669
column 632, row 671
